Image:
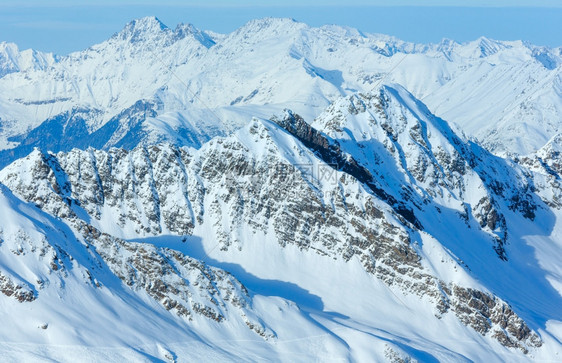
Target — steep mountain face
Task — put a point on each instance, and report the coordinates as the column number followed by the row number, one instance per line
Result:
column 423, row 159
column 376, row 186
column 500, row 92
column 181, row 284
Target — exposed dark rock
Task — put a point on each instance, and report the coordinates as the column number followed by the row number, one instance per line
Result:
column 18, row 291
column 330, row 152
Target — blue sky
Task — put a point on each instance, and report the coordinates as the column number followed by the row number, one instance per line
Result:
column 62, row 26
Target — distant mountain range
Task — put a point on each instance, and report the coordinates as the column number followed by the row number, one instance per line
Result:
column 149, row 83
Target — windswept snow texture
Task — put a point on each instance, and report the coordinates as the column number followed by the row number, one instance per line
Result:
column 507, row 94
column 280, row 193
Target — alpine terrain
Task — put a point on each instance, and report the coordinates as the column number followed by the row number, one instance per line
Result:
column 282, row 193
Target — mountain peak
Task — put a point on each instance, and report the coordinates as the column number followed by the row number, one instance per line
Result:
column 9, row 46
column 141, row 29
column 183, row 30
column 270, row 21
column 147, row 22
column 484, row 47
column 553, row 146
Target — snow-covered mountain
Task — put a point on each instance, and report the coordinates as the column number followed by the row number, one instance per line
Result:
column 375, row 231
column 14, row 60
column 282, row 192
column 149, row 83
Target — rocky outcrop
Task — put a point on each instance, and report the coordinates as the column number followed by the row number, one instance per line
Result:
column 50, row 253
column 489, row 315
column 181, row 284
column 229, row 184
column 330, row 152
column 416, row 157
column 18, row 291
